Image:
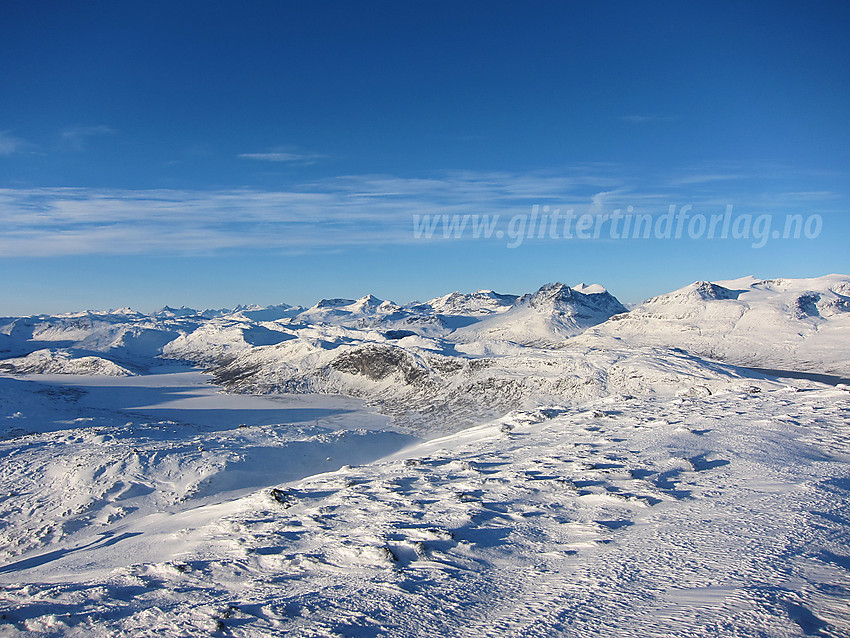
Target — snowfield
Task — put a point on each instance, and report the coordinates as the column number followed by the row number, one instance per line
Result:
column 540, row 465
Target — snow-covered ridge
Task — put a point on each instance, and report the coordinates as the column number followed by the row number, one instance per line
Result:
column 482, row 302
column 427, row 390
column 50, row 362
column 790, row 324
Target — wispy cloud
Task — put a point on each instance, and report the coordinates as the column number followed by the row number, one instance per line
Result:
column 339, row 212
column 602, row 201
column 9, row 144
column 343, row 211
column 76, row 137
column 283, row 155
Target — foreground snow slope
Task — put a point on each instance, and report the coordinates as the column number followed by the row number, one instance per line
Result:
column 789, row 324
column 707, row 516
column 80, row 458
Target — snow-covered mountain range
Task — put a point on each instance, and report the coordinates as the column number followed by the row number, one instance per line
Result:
column 463, row 358
column 460, row 350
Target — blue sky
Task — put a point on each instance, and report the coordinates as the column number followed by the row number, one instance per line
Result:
column 211, row 154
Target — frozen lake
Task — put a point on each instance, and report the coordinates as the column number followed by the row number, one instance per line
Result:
column 187, row 396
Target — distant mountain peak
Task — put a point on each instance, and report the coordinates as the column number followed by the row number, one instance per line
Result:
column 476, row 303
column 369, row 300
column 697, row 291
column 549, row 295
column 182, row 311
column 560, row 298
column 334, row 303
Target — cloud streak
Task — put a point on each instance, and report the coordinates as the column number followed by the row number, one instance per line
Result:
column 344, row 211
column 285, row 156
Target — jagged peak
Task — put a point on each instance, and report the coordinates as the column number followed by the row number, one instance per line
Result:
column 182, row 311
column 548, row 293
column 475, row 303
column 559, row 297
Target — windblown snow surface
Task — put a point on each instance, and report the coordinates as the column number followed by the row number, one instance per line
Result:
column 475, row 465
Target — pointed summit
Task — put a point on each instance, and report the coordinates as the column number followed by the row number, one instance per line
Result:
column 558, row 298
column 547, row 316
column 369, row 300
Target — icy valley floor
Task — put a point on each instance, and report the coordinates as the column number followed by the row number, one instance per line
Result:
column 154, row 505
